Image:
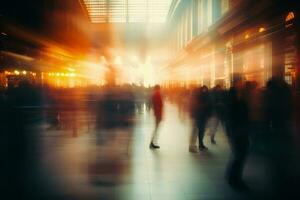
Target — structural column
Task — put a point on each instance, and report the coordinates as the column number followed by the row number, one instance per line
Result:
column 278, row 56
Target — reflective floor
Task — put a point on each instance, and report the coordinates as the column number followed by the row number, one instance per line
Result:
column 118, row 164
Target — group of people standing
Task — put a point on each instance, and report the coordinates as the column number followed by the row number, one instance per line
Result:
column 248, row 114
column 230, row 109
column 243, row 110
column 205, row 105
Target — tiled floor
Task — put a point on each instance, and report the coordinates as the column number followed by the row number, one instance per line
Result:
column 119, row 165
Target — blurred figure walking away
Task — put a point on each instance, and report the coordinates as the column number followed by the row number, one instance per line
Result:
column 157, row 104
column 200, row 110
column 278, row 107
column 193, row 111
column 217, row 116
column 237, row 128
column 280, row 141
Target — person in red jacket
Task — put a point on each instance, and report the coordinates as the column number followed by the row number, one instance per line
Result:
column 157, row 103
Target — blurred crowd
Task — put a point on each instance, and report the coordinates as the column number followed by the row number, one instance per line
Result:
column 262, row 120
column 29, row 112
column 270, row 110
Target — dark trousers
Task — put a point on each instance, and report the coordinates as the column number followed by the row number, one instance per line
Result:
column 239, row 147
column 201, row 123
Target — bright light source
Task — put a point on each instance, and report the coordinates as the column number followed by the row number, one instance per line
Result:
column 24, row 72
column 72, row 74
column 290, row 16
column 135, row 59
column 16, row 72
column 247, row 36
column 103, row 60
column 118, row 60
column 261, row 29
column 8, row 73
column 71, row 69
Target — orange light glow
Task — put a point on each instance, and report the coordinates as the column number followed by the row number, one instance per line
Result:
column 261, row 29
column 247, row 36
column 290, row 16
column 72, row 74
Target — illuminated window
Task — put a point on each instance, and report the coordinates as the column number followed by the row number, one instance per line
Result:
column 137, row 10
column 158, row 10
column 209, row 12
column 117, row 11
column 121, row 11
column 97, row 10
column 224, row 6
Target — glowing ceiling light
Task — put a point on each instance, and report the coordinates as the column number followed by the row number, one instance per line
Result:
column 16, row 72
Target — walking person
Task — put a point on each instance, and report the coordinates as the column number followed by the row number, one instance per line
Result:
column 193, row 111
column 157, row 104
column 217, row 114
column 237, row 128
column 203, row 115
column 200, row 109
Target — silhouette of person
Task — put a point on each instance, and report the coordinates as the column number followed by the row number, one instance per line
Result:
column 193, row 111
column 203, row 115
column 278, row 122
column 157, row 104
column 237, row 123
column 217, row 99
column 20, row 109
column 200, row 110
column 278, row 97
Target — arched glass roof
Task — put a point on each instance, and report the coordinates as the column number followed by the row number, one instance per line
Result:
column 128, row 11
